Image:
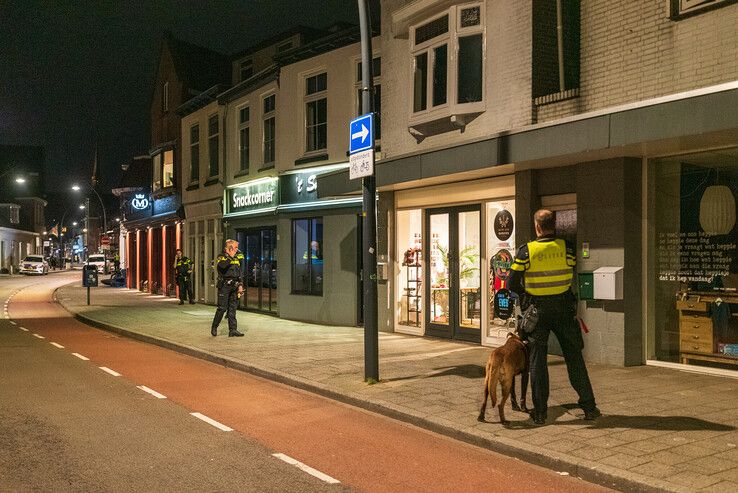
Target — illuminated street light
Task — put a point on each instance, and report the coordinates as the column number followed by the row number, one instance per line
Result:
column 74, row 223
column 76, row 188
column 20, row 179
column 117, row 219
column 84, row 230
column 81, row 206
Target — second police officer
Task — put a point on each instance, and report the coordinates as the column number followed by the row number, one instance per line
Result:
column 230, row 287
column 183, row 271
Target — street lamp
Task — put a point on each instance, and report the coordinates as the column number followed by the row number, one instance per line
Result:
column 77, row 188
column 74, row 223
column 81, row 206
column 20, row 179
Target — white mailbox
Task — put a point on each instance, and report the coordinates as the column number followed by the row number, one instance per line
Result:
column 608, row 283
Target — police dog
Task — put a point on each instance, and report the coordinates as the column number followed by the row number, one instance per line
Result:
column 503, row 364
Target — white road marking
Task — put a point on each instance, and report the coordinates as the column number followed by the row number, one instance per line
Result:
column 152, row 392
column 14, row 322
column 23, row 329
column 211, row 421
column 39, row 336
column 56, row 344
column 108, row 370
column 83, row 358
column 306, row 468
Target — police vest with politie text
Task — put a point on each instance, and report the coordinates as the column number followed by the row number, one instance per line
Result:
column 183, row 267
column 548, row 266
column 229, row 268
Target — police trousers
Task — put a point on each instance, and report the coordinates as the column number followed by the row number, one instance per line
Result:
column 227, row 303
column 557, row 314
column 185, row 288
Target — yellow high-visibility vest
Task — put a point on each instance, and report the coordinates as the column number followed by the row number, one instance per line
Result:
column 549, row 267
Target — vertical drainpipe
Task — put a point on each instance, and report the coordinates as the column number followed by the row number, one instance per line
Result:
column 560, row 43
column 164, row 259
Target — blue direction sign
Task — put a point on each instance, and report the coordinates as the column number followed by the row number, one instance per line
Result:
column 361, row 133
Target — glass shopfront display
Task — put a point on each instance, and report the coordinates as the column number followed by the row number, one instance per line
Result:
column 693, row 259
column 409, row 292
column 501, row 246
column 260, row 268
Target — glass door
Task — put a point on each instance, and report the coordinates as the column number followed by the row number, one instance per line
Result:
column 453, row 283
column 260, row 269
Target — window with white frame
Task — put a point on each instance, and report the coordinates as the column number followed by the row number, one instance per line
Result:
column 156, row 163
column 243, row 139
column 269, row 107
column 195, row 153
column 316, row 112
column 246, row 69
column 213, row 149
column 287, row 45
column 376, row 95
column 167, row 169
column 688, row 7
column 448, row 59
column 14, row 214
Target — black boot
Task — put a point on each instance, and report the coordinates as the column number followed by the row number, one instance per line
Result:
column 214, row 331
column 538, row 418
column 235, row 333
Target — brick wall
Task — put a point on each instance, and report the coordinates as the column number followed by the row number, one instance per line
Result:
column 632, row 51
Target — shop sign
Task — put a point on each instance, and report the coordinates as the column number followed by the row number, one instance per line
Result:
column 250, row 197
column 299, row 188
column 140, row 202
column 503, row 225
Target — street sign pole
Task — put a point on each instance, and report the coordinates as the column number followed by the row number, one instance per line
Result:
column 369, row 240
column 87, row 243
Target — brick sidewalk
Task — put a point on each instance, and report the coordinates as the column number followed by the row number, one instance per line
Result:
column 661, row 430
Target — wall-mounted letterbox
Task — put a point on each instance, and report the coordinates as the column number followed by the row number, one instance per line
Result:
column 586, row 285
column 608, row 283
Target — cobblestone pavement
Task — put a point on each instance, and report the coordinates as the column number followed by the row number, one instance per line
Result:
column 662, row 429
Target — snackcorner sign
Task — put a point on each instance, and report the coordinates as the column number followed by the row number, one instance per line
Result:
column 255, row 197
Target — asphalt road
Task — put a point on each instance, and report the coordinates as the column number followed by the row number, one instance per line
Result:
column 72, row 425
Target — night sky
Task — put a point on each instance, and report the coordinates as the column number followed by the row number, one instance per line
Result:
column 73, row 72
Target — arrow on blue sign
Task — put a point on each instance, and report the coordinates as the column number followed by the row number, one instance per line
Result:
column 361, row 131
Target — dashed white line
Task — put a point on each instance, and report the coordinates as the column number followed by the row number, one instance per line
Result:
column 211, row 421
column 306, row 468
column 39, row 336
column 83, row 358
column 108, row 370
column 56, row 344
column 23, row 329
column 151, row 391
column 13, row 322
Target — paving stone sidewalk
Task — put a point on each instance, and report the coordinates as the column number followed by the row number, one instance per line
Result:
column 662, row 429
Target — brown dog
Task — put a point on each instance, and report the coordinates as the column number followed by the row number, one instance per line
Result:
column 503, row 364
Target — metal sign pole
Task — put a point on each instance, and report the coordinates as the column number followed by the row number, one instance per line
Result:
column 369, row 240
column 87, row 244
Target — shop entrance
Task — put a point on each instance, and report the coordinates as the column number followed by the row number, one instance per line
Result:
column 452, row 279
column 260, row 269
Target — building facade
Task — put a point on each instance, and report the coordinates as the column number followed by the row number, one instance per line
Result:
column 617, row 122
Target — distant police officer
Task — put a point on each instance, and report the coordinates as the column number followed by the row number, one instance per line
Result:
column 542, row 271
column 230, row 287
column 183, row 271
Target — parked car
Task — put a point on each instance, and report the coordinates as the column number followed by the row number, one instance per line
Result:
column 34, row 264
column 98, row 260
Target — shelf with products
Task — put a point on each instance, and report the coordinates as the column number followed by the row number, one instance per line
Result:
column 413, row 284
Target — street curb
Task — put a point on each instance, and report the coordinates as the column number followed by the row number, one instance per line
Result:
column 602, row 475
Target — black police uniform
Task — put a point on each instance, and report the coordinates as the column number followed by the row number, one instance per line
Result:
column 183, row 270
column 229, row 279
column 542, row 272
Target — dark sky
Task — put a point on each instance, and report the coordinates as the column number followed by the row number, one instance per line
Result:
column 75, row 71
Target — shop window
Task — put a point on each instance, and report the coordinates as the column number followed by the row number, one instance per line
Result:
column 213, row 146
column 693, row 283
column 681, row 8
column 555, row 79
column 195, row 153
column 500, row 254
column 409, row 295
column 307, row 256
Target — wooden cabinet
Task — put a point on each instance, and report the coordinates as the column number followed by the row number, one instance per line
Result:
column 696, row 338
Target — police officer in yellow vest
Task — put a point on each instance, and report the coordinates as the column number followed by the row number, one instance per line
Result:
column 542, row 273
column 183, row 273
column 230, row 287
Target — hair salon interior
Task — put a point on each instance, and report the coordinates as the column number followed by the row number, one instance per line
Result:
column 619, row 119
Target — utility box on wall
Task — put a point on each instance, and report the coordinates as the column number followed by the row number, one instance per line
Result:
column 586, row 288
column 608, row 283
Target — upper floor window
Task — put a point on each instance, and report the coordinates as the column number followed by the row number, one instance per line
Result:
column 555, row 54
column 213, row 149
column 689, row 7
column 156, row 163
column 14, row 215
column 243, row 139
column 437, row 80
column 246, row 69
column 195, row 153
column 167, row 169
column 269, row 106
column 316, row 112
column 376, row 95
column 165, row 97
column 287, row 45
